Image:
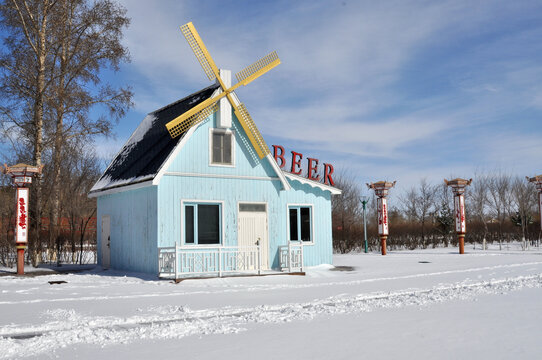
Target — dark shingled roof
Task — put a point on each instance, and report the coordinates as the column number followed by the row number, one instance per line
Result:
column 149, row 146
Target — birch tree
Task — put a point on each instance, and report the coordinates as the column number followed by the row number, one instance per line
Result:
column 50, row 82
column 25, row 65
column 87, row 38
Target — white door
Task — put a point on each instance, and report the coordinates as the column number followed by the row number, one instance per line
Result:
column 105, row 241
column 253, row 229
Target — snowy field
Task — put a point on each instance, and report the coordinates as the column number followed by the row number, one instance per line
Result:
column 430, row 304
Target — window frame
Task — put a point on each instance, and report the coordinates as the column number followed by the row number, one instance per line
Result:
column 213, row 131
column 195, row 203
column 311, row 217
column 239, row 203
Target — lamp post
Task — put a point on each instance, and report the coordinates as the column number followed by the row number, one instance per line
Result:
column 381, row 189
column 22, row 176
column 458, row 187
column 537, row 181
column 364, row 200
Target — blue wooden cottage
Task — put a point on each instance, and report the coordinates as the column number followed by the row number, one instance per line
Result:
column 204, row 203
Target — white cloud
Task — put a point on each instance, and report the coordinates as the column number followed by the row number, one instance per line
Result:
column 331, row 129
column 369, row 81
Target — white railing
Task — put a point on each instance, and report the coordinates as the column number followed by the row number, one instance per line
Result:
column 291, row 257
column 167, row 261
column 179, row 261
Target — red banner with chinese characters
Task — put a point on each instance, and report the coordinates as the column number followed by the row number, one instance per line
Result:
column 460, row 223
column 22, row 215
column 382, row 216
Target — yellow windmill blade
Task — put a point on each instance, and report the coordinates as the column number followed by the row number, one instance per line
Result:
column 190, row 114
column 251, row 130
column 181, row 124
column 199, row 49
column 257, row 69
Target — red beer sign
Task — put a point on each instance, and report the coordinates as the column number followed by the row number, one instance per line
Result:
column 312, row 165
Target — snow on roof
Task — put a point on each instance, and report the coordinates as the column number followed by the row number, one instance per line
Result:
column 315, row 184
column 147, row 149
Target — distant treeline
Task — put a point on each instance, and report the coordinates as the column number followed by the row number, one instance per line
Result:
column 499, row 208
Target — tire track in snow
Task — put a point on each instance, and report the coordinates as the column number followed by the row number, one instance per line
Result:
column 264, row 287
column 69, row 327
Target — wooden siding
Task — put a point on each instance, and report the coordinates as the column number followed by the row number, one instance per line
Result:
column 173, row 189
column 133, row 229
column 194, row 159
column 194, row 156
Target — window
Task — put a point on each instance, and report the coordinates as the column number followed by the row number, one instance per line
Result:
column 202, row 224
column 300, row 223
column 252, row 207
column 221, row 147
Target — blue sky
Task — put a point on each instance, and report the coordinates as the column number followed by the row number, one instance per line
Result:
column 395, row 90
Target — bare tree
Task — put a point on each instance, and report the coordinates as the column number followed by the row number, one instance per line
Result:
column 478, row 201
column 7, row 220
column 79, row 174
column 419, row 206
column 499, row 200
column 346, row 214
column 524, row 198
column 25, row 64
column 50, row 81
column 87, row 39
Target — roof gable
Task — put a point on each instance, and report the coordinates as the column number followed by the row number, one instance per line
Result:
column 194, row 158
column 147, row 149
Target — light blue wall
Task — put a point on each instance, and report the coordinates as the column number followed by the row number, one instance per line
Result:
column 133, row 229
column 173, row 189
column 194, row 159
column 194, row 156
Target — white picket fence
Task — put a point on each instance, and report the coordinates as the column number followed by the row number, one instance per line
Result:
column 178, row 261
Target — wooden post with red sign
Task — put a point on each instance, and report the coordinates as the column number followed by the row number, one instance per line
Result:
column 22, row 176
column 458, row 187
column 381, row 189
column 21, row 237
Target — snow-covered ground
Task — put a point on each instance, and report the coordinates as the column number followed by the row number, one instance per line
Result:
column 409, row 304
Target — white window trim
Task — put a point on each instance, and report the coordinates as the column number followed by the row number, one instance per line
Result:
column 233, row 142
column 313, row 231
column 222, row 230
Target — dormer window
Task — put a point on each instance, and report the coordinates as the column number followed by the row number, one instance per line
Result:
column 221, row 147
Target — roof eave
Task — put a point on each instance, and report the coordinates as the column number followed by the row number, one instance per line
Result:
column 121, row 187
column 315, row 184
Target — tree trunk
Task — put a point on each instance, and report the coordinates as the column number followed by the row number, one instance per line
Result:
column 38, row 130
column 59, row 124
